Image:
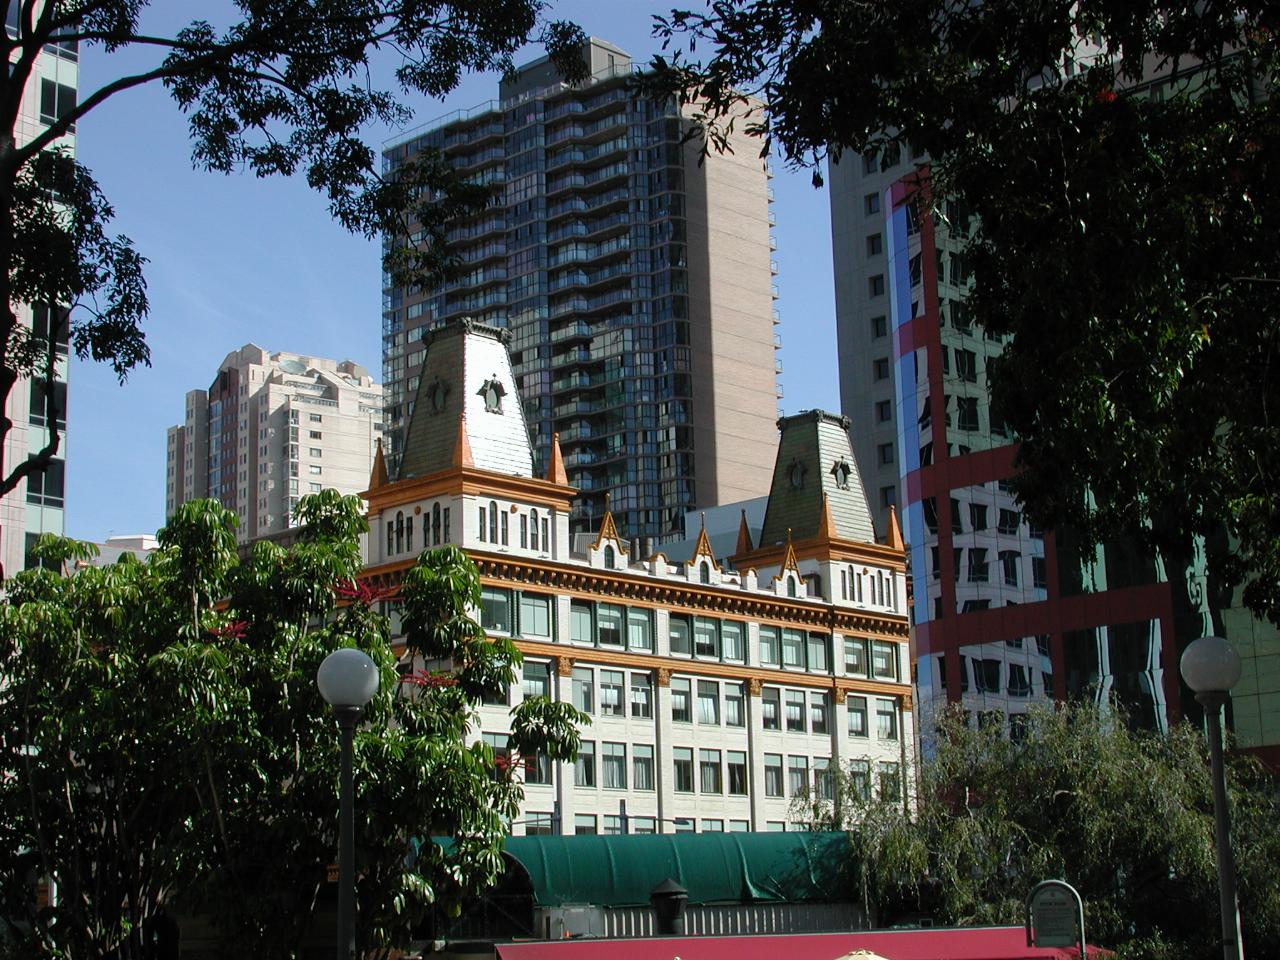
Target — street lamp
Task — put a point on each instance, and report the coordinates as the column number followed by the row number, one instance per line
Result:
column 347, row 679
column 1211, row 667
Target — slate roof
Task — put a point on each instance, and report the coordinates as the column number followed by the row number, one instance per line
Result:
column 464, row 361
column 815, row 457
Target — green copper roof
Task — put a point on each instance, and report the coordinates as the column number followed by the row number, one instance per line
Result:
column 815, row 457
column 621, row 871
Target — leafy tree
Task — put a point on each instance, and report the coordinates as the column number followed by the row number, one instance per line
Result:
column 1121, row 158
column 1125, row 816
column 283, row 89
column 167, row 747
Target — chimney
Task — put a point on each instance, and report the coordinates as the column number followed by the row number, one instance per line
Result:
column 669, row 900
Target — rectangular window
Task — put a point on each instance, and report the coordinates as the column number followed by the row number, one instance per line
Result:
column 680, row 634
column 880, row 368
column 613, row 766
column 860, row 779
column 495, row 609
column 967, row 365
column 483, row 514
column 875, row 285
column 855, row 657
column 884, row 453
column 884, row 411
column 819, row 712
column 977, row 565
column 890, row 782
column 735, row 708
column 584, row 823
column 769, row 649
column 46, row 486
column 581, row 622
column 770, row 712
column 797, row 776
column 857, row 709
column 737, row 766
column 682, row 758
column 793, row 648
column 708, row 702
column 642, row 695
column 584, row 768
column 497, row 742
column 612, row 685
column 315, row 452
column 314, row 470
column 639, row 630
column 967, row 413
column 681, row 701
column 773, row 774
column 537, row 769
column 57, row 100
column 537, row 679
column 875, row 245
column 1009, row 566
column 1039, row 573
column 642, row 766
column 978, row 516
column 824, row 784
column 609, row 625
column 706, row 640
column 886, row 720
column 583, row 689
column 709, row 772
column 535, row 615
column 712, row 826
column 538, row 824
column 871, row 203
column 879, row 327
column 731, row 645
column 1008, row 522
column 884, row 660
column 611, row 825
column 818, row 652
column 795, row 711
column 644, row 825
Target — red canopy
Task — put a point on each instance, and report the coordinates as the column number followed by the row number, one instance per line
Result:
column 974, row 943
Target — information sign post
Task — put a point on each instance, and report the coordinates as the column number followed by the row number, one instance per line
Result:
column 1055, row 916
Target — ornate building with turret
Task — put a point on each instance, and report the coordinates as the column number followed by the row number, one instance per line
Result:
column 718, row 688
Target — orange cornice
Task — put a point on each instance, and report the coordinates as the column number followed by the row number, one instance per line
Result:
column 639, row 590
column 822, row 548
column 469, row 480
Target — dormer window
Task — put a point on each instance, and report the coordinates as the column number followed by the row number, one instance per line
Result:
column 492, row 391
column 841, row 471
column 608, row 557
column 791, row 586
column 704, row 572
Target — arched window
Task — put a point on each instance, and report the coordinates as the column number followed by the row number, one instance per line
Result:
column 493, row 521
column 408, row 534
column 791, row 586
column 524, row 532
column 704, row 572
column 435, row 525
column 391, row 537
column 533, row 529
column 608, row 557
column 399, row 530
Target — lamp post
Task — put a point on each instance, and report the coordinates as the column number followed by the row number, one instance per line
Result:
column 347, row 679
column 1211, row 667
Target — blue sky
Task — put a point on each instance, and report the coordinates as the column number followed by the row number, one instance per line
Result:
column 237, row 259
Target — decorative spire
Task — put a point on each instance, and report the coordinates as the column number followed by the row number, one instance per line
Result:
column 378, row 477
column 608, row 529
column 703, row 547
column 462, row 447
column 826, row 522
column 789, row 561
column 555, row 469
column 893, row 538
column 744, row 536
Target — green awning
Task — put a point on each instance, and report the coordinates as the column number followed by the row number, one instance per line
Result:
column 619, row 871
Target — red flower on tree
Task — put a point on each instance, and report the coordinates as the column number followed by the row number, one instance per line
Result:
column 357, row 591
column 237, row 629
column 1105, row 95
column 424, row 678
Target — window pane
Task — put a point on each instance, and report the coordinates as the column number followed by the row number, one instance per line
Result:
column 884, row 660
column 818, row 712
column 537, row 679
column 583, row 695
column 580, row 626
column 886, row 720
column 817, row 652
column 535, row 615
column 797, row 775
column 795, row 711
column 731, row 641
column 639, row 630
column 708, row 702
column 857, row 707
column 770, row 712
column 792, row 648
column 609, row 625
column 584, row 768
column 681, row 705
column 735, row 710
column 706, row 641
column 679, row 631
column 613, row 764
column 612, row 683
column 773, row 774
column 855, row 656
column 683, row 757
column 769, row 646
column 709, row 771
column 642, row 766
column 495, row 609
column 641, row 695
column 737, row 764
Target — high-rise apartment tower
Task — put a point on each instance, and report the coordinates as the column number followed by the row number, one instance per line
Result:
column 37, row 504
column 271, row 428
column 636, row 280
